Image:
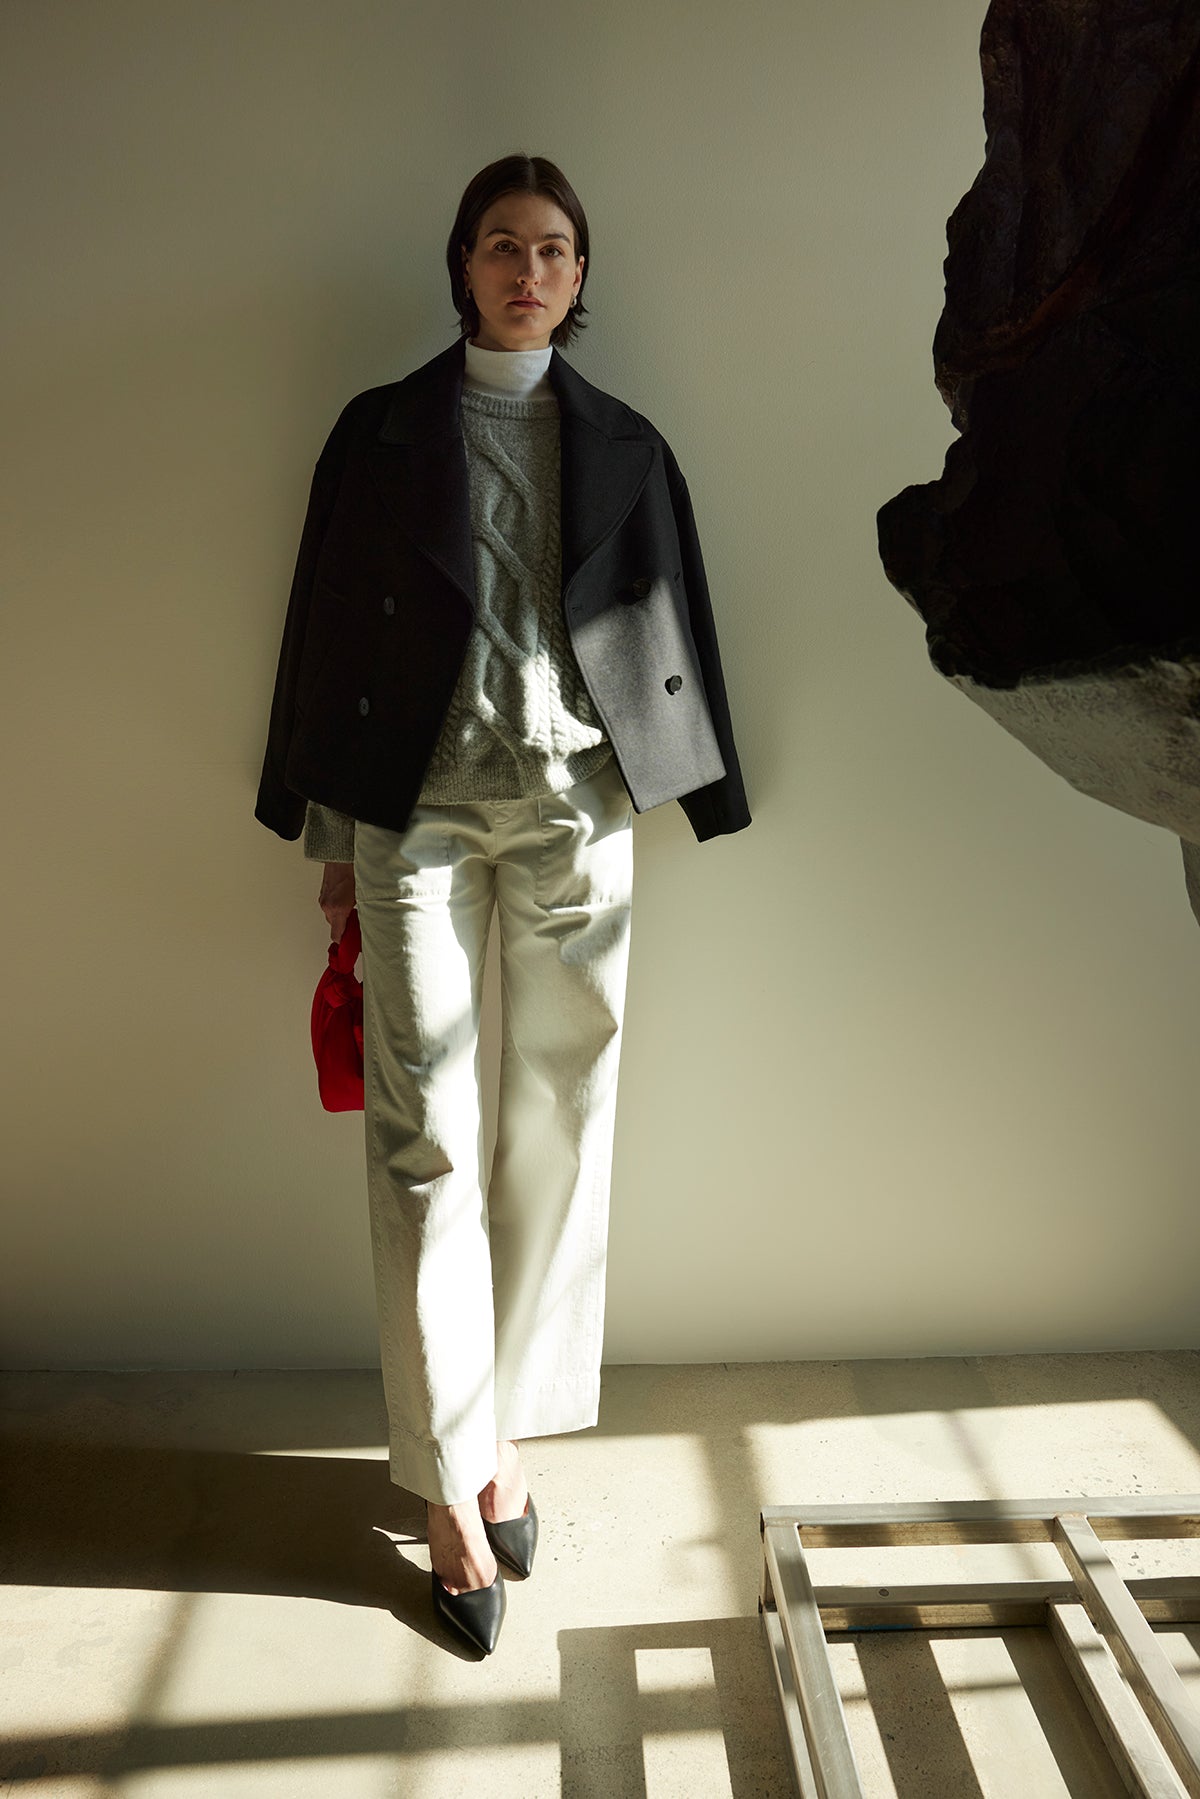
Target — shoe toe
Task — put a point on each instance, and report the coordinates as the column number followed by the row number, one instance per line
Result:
column 475, row 1614
column 514, row 1540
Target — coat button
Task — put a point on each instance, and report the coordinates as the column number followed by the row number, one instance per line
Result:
column 364, row 705
column 642, row 586
column 674, row 684
column 389, row 604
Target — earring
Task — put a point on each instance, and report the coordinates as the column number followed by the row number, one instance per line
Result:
column 572, row 299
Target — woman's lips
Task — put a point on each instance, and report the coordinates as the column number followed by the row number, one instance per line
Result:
column 533, row 305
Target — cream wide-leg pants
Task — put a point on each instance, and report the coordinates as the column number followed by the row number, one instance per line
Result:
column 491, row 1307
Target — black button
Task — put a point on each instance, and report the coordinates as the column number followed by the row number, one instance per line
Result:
column 642, row 586
column 674, row 684
column 389, row 604
column 364, row 705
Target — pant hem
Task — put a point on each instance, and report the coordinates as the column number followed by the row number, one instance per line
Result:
column 441, row 1478
column 552, row 1412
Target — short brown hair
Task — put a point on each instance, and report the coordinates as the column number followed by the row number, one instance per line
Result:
column 514, row 175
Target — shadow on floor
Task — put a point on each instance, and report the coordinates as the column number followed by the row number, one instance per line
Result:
column 198, row 1521
column 160, row 1482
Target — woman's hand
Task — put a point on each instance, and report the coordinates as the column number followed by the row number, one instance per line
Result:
column 336, row 898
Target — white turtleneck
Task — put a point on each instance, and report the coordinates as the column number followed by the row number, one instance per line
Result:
column 509, row 374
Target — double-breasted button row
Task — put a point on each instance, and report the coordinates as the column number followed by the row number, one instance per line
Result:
column 389, row 606
column 673, row 683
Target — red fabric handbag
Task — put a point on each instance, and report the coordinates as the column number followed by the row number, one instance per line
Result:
column 337, row 1025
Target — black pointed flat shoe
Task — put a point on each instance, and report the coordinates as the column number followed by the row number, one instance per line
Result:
column 475, row 1614
column 514, row 1540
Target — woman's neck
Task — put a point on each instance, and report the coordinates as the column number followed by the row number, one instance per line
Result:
column 512, row 374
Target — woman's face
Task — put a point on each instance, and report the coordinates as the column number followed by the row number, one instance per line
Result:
column 524, row 251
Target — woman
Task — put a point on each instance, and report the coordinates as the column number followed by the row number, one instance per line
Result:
column 499, row 644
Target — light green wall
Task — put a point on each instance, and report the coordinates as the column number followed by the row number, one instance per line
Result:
column 911, row 1065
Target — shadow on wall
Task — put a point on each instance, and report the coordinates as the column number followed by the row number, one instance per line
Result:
column 1054, row 562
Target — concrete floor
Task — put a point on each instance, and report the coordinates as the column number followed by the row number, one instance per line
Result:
column 214, row 1593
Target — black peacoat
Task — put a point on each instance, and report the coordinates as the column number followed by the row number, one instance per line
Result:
column 383, row 597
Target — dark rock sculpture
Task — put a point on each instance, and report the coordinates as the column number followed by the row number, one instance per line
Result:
column 1056, row 561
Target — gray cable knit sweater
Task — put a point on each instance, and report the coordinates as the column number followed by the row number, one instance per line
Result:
column 520, row 722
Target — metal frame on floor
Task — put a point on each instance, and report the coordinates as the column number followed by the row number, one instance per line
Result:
column 1091, row 1610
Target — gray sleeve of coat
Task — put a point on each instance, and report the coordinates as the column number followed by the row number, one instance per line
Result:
column 720, row 808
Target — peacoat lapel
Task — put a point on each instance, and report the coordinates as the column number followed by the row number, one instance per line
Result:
column 419, row 463
column 606, row 457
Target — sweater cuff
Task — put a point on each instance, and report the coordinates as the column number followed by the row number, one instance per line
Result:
column 328, row 835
